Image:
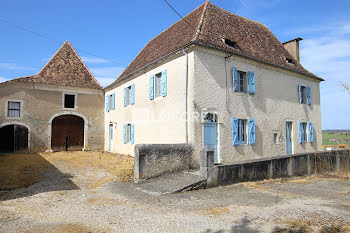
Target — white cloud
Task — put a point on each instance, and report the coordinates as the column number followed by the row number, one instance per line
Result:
column 13, row 66
column 326, row 53
column 3, row 79
column 106, row 75
column 94, row 60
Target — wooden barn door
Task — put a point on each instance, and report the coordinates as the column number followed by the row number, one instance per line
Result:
column 67, row 133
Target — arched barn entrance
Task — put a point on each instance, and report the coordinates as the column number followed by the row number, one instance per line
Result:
column 13, row 138
column 67, row 133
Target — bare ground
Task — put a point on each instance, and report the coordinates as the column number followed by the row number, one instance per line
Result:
column 92, row 192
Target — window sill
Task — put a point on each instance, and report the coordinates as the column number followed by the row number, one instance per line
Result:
column 14, row 118
column 159, row 98
column 69, row 109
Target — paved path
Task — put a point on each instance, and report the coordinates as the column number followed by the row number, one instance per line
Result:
column 170, row 183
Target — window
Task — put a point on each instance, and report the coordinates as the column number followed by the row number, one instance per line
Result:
column 275, row 138
column 230, row 43
column 242, row 81
column 128, row 133
column 13, row 109
column 129, row 95
column 69, row 101
column 290, row 60
column 158, row 85
column 304, row 94
column 242, row 134
column 240, row 131
column 110, row 102
column 302, row 132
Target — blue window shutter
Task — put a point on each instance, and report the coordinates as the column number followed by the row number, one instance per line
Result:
column 124, row 96
column 251, row 132
column 234, row 131
column 300, row 94
column 107, row 103
column 308, row 95
column 164, row 83
column 301, row 132
column 235, row 79
column 132, row 133
column 113, row 101
column 251, row 82
column 132, row 94
column 124, row 133
column 311, row 132
column 151, row 87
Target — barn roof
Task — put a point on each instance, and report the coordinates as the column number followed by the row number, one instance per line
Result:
column 65, row 68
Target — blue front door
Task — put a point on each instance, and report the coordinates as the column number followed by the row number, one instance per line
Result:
column 111, row 137
column 210, row 137
column 288, row 138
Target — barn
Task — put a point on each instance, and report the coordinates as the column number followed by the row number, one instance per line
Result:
column 59, row 108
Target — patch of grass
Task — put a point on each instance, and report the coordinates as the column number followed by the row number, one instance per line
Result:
column 218, row 210
column 338, row 136
column 120, row 167
column 64, row 228
column 294, row 226
column 20, row 170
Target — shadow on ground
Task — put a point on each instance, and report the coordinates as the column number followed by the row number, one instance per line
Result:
column 23, row 175
column 243, row 226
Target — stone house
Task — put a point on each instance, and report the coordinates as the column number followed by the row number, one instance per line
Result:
column 220, row 80
column 60, row 108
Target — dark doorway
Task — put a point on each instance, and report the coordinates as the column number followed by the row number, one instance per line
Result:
column 67, row 133
column 13, row 138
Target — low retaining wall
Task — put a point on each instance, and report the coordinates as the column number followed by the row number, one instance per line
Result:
column 279, row 167
column 152, row 160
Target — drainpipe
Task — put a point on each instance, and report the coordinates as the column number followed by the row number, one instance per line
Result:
column 186, row 92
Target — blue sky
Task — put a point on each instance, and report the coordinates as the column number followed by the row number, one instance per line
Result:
column 109, row 34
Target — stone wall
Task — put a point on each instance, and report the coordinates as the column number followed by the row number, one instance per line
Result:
column 152, row 160
column 279, row 167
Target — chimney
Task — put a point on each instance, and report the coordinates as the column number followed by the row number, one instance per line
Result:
column 292, row 47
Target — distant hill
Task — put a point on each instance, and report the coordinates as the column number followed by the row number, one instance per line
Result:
column 341, row 131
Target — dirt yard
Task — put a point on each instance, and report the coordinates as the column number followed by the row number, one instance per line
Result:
column 93, row 192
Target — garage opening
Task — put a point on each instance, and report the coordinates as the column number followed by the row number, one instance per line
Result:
column 67, row 133
column 13, row 138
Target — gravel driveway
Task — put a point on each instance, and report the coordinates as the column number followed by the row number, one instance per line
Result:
column 86, row 199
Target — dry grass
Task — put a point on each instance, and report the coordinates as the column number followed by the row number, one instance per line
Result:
column 120, row 167
column 23, row 170
column 20, row 170
column 64, row 228
column 294, row 226
column 218, row 210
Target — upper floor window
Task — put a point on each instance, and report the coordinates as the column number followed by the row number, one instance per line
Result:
column 13, row 109
column 69, row 100
column 158, row 85
column 243, row 81
column 110, row 102
column 304, row 94
column 129, row 95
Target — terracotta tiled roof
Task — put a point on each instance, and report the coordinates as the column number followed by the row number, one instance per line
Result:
column 212, row 24
column 65, row 68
